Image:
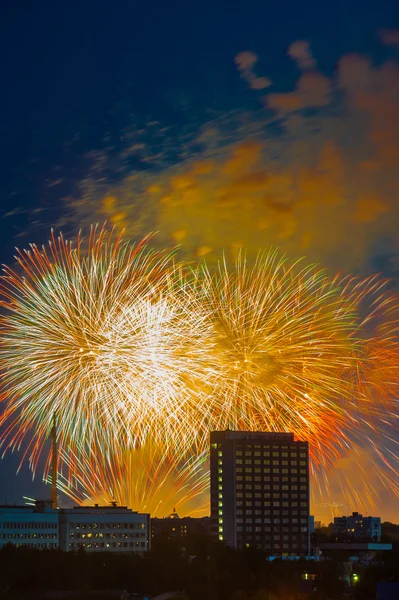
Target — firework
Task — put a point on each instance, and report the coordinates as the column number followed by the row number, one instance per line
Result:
column 138, row 358
column 104, row 339
column 140, row 478
column 284, row 336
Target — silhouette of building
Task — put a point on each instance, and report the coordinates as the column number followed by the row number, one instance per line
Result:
column 260, row 491
column 357, row 527
column 104, row 528
column 32, row 526
column 174, row 527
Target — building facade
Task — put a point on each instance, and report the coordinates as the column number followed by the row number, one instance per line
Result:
column 260, row 491
column 358, row 527
column 31, row 526
column 178, row 528
column 104, row 528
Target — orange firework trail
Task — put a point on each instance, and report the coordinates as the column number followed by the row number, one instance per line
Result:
column 139, row 358
column 139, row 478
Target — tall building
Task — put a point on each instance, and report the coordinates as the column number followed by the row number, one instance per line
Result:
column 104, row 528
column 358, row 527
column 260, row 491
column 32, row 526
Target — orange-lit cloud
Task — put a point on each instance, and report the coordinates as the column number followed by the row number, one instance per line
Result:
column 325, row 186
column 389, row 37
column 245, row 62
column 301, row 53
column 313, row 89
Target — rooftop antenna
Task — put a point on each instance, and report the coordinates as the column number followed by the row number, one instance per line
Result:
column 54, row 460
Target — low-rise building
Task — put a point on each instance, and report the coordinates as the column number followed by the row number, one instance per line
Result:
column 357, row 527
column 31, row 526
column 175, row 527
column 104, row 528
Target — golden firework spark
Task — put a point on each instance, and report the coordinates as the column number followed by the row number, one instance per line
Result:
column 139, row 358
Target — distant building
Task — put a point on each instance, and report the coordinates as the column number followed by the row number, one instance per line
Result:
column 100, row 528
column 178, row 528
column 260, row 491
column 357, row 527
column 31, row 526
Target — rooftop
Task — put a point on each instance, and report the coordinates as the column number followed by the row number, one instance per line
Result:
column 253, row 435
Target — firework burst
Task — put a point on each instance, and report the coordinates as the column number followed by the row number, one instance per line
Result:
column 104, row 339
column 138, row 358
column 284, row 336
column 141, row 478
